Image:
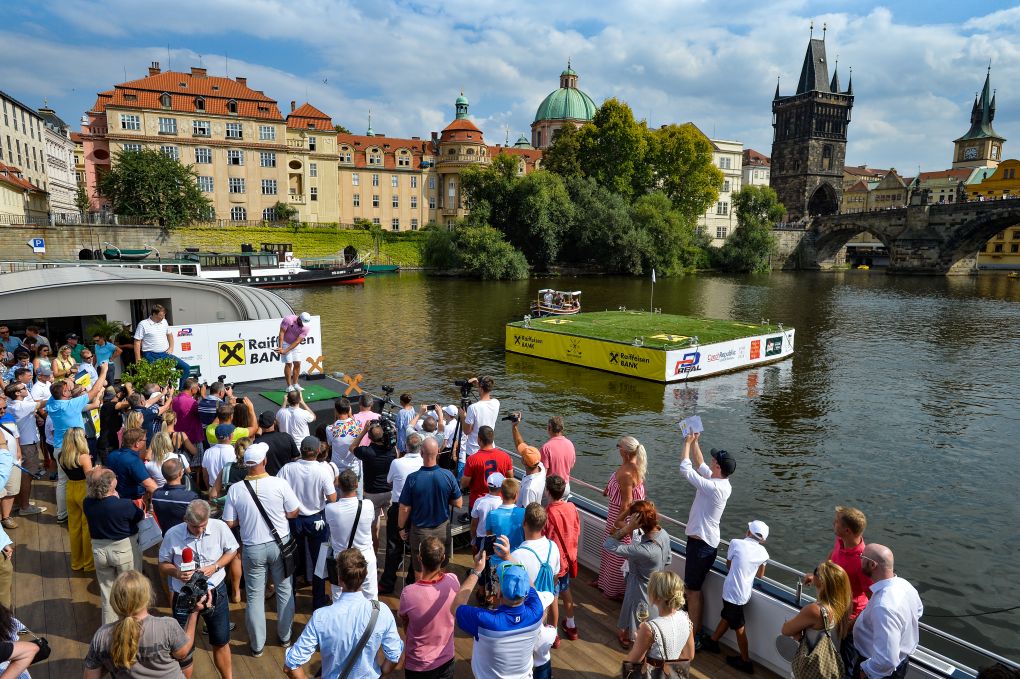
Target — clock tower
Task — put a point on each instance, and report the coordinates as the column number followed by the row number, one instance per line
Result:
column 981, row 146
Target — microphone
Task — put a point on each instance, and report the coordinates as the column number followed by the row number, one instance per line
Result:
column 188, row 560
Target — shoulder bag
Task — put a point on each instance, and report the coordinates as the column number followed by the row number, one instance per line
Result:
column 667, row 669
column 331, row 570
column 356, row 652
column 288, row 550
column 820, row 662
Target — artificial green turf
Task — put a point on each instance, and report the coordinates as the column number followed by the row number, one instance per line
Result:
column 312, row 392
column 624, row 326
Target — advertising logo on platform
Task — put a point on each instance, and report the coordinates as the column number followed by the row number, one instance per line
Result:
column 721, row 356
column 526, row 340
column 689, row 363
column 184, row 332
column 627, row 359
column 755, row 349
column 773, row 345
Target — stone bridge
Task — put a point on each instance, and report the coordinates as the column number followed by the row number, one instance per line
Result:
column 936, row 239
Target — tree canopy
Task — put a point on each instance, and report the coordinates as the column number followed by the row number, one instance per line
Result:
column 749, row 248
column 155, row 187
column 476, row 251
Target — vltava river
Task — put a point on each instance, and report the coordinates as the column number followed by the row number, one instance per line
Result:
column 900, row 400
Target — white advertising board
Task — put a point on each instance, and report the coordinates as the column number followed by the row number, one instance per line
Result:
column 709, row 359
column 243, row 350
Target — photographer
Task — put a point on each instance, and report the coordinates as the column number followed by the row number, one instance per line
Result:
column 200, row 548
column 376, row 458
column 533, row 483
column 213, row 396
column 482, row 413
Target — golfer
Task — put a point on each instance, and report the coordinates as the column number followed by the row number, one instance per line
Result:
column 293, row 331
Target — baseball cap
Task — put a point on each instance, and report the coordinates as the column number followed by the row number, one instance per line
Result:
column 267, row 419
column 44, row 371
column 310, row 443
column 255, row 453
column 224, row 431
column 514, row 582
column 450, row 410
column 71, row 336
column 529, row 455
column 305, row 317
column 725, row 460
column 759, row 529
column 495, row 480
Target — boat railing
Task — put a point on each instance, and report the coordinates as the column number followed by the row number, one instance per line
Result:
column 791, row 590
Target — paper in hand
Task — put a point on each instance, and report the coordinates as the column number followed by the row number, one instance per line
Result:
column 691, row 425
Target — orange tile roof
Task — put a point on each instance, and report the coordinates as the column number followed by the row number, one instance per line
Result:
column 960, row 174
column 461, row 124
column 76, row 137
column 530, row 154
column 12, row 175
column 859, row 185
column 361, row 141
column 860, row 170
column 307, row 117
column 359, row 145
column 752, row 157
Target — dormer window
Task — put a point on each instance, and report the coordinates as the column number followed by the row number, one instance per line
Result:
column 164, row 100
column 232, row 107
column 199, row 104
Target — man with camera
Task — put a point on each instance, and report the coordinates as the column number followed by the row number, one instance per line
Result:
column 533, row 483
column 482, row 413
column 214, row 395
column 376, row 458
column 194, row 556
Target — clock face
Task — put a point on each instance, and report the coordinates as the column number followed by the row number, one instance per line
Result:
column 970, row 153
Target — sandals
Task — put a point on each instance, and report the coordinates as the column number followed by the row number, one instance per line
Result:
column 624, row 641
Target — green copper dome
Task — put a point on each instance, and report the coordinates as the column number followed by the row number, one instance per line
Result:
column 462, row 100
column 566, row 102
column 569, row 71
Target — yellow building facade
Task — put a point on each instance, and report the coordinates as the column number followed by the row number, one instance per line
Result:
column 1002, row 251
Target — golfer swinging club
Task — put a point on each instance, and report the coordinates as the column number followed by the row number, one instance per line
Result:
column 293, row 331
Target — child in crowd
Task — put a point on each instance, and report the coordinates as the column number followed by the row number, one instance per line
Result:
column 483, row 505
column 507, row 519
column 563, row 527
column 543, row 652
column 746, row 561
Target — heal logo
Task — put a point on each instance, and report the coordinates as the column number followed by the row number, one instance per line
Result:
column 688, row 364
column 184, row 332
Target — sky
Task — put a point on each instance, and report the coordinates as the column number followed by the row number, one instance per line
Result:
column 916, row 64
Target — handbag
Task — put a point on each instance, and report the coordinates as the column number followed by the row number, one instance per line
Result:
column 820, row 662
column 331, row 570
column 356, row 653
column 149, row 533
column 668, row 669
column 288, row 550
column 632, row 670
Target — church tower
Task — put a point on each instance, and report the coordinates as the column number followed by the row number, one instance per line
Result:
column 809, row 138
column 981, row 146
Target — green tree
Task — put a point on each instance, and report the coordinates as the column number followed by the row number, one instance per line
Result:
column 284, row 212
column 540, row 215
column 488, row 192
column 680, row 162
column 612, row 148
column 599, row 221
column 340, row 129
column 155, row 187
column 439, row 249
column 562, row 156
column 749, row 248
column 671, row 238
column 485, row 254
column 82, row 202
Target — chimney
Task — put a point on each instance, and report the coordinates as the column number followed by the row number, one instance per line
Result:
column 415, row 138
column 435, row 137
column 198, row 72
column 241, row 81
column 293, row 105
column 154, row 68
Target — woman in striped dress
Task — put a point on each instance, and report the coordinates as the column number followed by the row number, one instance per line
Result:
column 627, row 485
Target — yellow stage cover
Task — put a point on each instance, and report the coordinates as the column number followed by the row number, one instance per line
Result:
column 615, row 357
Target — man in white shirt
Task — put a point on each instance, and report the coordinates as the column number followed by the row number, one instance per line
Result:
column 24, row 409
column 536, row 548
column 886, row 631
column 216, row 457
column 206, row 545
column 712, row 490
column 400, row 469
column 261, row 554
column 344, row 531
column 482, row 413
column 44, row 382
column 313, row 484
column 295, row 417
column 153, row 341
column 533, row 483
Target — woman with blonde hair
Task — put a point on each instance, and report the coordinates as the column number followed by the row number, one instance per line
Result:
column 76, row 462
column 117, row 647
column 180, row 440
column 627, row 485
column 63, row 363
column 135, row 420
column 161, row 450
column 665, row 643
column 829, row 613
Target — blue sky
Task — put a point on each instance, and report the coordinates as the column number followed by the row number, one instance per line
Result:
column 916, row 65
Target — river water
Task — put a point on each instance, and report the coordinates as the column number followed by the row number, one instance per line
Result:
column 900, row 400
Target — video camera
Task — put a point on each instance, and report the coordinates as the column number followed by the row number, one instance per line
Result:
column 465, row 389
column 191, row 593
column 513, row 417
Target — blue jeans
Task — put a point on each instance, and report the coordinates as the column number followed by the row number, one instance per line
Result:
column 258, row 561
column 217, row 618
column 309, row 541
column 543, row 671
column 153, row 356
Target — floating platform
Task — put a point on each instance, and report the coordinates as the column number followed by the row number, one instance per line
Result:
column 658, row 347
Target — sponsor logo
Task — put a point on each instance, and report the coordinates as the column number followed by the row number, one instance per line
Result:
column 231, row 353
column 185, row 346
column 755, row 349
column 773, row 345
column 688, row 364
column 526, row 341
column 184, row 332
column 626, row 359
column 721, row 356
column 574, row 350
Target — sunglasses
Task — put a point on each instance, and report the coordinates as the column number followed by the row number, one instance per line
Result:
column 869, row 559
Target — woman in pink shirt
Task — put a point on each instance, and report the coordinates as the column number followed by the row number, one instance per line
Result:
column 425, row 615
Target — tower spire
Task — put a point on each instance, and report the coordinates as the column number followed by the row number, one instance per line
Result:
column 834, row 85
column 850, row 82
column 777, row 88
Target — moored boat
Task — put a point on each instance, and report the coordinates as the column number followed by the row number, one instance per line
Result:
column 556, row 303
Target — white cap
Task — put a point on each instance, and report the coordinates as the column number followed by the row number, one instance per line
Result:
column 305, row 317
column 495, row 480
column 255, row 454
column 450, row 410
column 759, row 529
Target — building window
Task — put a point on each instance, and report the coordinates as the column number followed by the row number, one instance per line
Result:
column 375, row 220
column 132, row 147
column 375, row 180
column 432, row 202
column 235, row 157
column 722, row 208
column 374, row 157
column 164, row 100
column 827, row 157
column 414, row 202
column 168, row 125
column 394, row 181
column 205, row 184
column 432, row 182
column 201, row 128
column 404, row 160
column 414, row 223
column 725, row 162
column 396, row 200
column 170, row 152
column 267, row 133
column 345, row 157
column 375, row 200
column 1014, row 247
column 311, row 143
column 1000, row 236
column 268, row 187
column 355, row 179
column 234, row 131
column 395, row 224
column 203, row 155
column 720, row 232
column 238, row 213
column 267, row 158
column 313, row 169
column 726, row 186
column 128, row 121
column 269, row 214
column 414, row 181
column 236, row 184
column 232, row 107
column 199, row 104
column 998, row 247
column 357, row 200
column 313, row 193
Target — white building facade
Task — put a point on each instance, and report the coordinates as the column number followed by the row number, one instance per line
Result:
column 719, row 220
column 21, row 140
column 60, row 163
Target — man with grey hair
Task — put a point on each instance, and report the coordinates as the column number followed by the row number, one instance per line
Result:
column 886, row 631
column 113, row 524
column 201, row 545
column 170, row 502
column 425, row 504
column 400, row 469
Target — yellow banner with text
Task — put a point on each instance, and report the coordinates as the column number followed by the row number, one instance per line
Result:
column 614, row 357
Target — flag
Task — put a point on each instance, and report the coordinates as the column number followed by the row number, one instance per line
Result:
column 653, row 275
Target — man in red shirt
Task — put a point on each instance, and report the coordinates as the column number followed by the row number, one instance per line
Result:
column 487, row 460
column 563, row 527
column 558, row 456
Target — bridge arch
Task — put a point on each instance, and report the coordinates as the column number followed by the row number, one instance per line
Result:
column 823, row 201
column 830, row 239
column 970, row 236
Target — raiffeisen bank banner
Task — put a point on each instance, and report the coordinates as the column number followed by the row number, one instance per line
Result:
column 243, row 350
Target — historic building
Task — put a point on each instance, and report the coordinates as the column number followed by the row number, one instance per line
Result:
column 720, row 220
column 312, row 164
column 22, row 141
column 1002, row 251
column 79, row 157
column 21, row 201
column 809, row 140
column 755, row 169
column 981, row 146
column 564, row 106
column 60, row 167
column 891, row 191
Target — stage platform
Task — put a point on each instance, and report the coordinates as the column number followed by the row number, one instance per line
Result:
column 652, row 346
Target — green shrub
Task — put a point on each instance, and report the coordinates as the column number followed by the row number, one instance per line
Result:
column 161, row 372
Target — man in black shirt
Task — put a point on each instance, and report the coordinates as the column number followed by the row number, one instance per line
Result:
column 376, row 458
column 171, row 501
column 282, row 448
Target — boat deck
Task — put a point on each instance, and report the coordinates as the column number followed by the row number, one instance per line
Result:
column 62, row 605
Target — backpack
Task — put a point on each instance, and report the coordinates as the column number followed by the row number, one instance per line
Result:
column 546, row 579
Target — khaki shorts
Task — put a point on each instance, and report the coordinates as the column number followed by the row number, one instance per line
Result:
column 30, row 457
column 13, row 486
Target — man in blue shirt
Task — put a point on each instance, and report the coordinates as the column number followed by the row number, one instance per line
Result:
column 170, row 502
column 425, row 502
column 336, row 629
column 105, row 352
column 133, row 480
column 9, row 342
column 67, row 403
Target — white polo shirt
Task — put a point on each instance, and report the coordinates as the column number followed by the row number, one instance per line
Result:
column 215, row 541
column 532, row 487
column 277, row 498
column 480, row 414
column 709, row 502
column 400, row 469
column 745, row 556
column 340, row 518
column 215, row 458
column 41, row 391
column 294, row 421
column 24, row 414
column 153, row 335
column 546, row 550
column 311, row 482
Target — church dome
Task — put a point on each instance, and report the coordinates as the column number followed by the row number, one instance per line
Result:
column 568, row 102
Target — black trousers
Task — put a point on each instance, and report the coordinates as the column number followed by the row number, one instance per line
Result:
column 394, row 549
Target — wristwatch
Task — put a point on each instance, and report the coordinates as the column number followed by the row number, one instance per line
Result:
column 475, row 573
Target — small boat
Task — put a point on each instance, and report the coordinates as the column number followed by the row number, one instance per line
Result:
column 274, row 266
column 127, row 255
column 383, row 268
column 556, row 303
column 1013, row 274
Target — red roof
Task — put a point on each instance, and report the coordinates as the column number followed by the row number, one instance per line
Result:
column 753, row 158
column 307, row 117
column 12, row 175
column 461, row 124
column 76, row 137
column 359, row 144
column 862, row 171
column 959, row 174
column 530, row 154
column 859, row 186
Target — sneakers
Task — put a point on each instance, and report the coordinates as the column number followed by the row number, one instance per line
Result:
column 286, row 644
column 290, row 388
column 9, row 523
column 298, row 387
column 556, row 643
column 709, row 644
column 30, row 510
column 739, row 663
column 62, row 520
column 570, row 632
column 258, row 653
